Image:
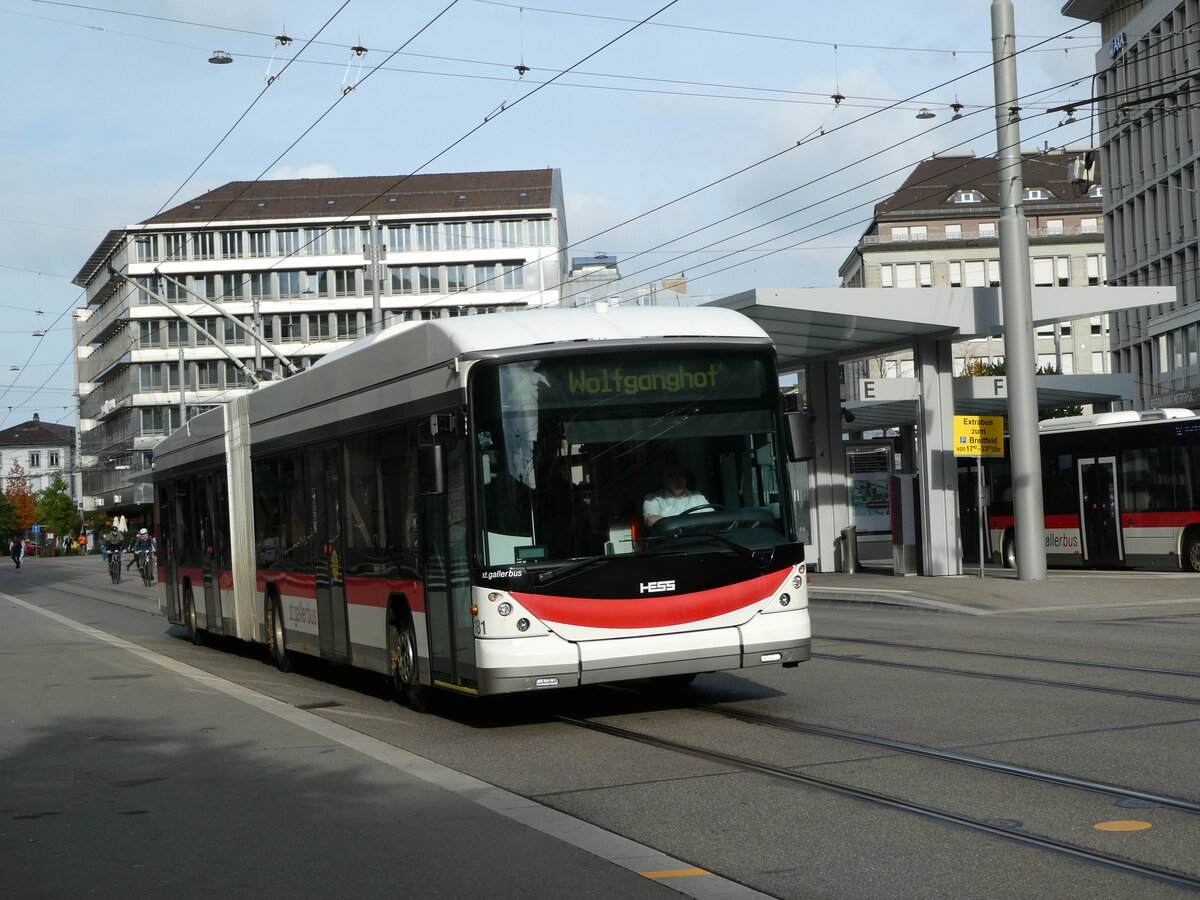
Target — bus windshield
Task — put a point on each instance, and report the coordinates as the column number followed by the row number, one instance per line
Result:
column 610, row 453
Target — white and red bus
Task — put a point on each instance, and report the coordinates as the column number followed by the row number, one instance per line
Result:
column 457, row 504
column 1118, row 489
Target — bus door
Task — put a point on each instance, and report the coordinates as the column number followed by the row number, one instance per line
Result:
column 211, row 540
column 444, row 548
column 1099, row 517
column 325, row 483
column 166, row 554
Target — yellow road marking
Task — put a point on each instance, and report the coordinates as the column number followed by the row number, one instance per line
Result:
column 1123, row 825
column 675, row 873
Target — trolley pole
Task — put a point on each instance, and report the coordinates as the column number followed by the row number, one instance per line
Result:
column 1017, row 306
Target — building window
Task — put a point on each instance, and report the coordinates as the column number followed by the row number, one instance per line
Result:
column 402, row 279
column 429, row 280
column 235, row 375
column 428, row 236
column 35, row 459
column 316, row 284
column 975, row 273
column 178, row 333
column 260, row 285
column 289, row 328
column 1054, row 226
column 512, row 277
column 318, row 327
column 233, row 333
column 234, row 286
column 455, row 234
column 173, row 289
column 539, row 232
column 146, row 283
column 399, row 238
column 485, row 277
column 485, row 234
column 208, row 375
column 987, row 228
column 345, row 282
column 1095, row 269
column 953, row 231
column 345, row 240
column 316, row 240
column 347, row 326
column 1095, row 191
column 260, row 243
column 149, row 334
column 512, row 232
column 147, row 247
column 175, row 245
column 289, row 284
column 289, row 241
column 1035, row 194
column 205, row 286
column 906, row 275
column 203, row 245
column 231, row 244
column 967, row 197
column 151, row 377
column 456, row 278
column 1052, row 271
column 1089, row 226
column 54, row 459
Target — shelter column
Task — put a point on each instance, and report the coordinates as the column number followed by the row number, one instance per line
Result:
column 941, row 549
column 830, row 500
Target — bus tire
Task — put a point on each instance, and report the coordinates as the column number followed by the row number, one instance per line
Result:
column 195, row 635
column 403, row 665
column 1189, row 560
column 1010, row 551
column 277, row 634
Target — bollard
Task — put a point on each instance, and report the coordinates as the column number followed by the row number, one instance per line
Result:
column 849, row 541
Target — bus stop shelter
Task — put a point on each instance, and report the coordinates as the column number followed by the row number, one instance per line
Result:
column 816, row 329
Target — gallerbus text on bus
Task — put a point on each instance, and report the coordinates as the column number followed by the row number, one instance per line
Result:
column 1118, row 489
column 457, row 504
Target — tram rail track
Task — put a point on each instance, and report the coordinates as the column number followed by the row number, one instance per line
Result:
column 990, row 828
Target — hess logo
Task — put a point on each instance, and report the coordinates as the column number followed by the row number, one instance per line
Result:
column 656, row 587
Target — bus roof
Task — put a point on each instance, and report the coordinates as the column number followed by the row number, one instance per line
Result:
column 1111, row 419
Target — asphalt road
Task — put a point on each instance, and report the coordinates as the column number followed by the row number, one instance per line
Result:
column 126, row 774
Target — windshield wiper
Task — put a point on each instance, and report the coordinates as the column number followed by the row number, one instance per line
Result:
column 732, row 545
column 544, row 578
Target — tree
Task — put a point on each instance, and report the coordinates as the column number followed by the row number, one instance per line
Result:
column 20, row 495
column 56, row 510
column 976, row 368
column 8, row 519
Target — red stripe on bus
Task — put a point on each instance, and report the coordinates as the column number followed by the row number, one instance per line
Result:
column 1128, row 520
column 650, row 610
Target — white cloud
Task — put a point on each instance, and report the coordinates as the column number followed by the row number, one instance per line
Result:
column 312, row 170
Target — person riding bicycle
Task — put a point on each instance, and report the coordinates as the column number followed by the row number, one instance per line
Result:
column 142, row 544
column 113, row 544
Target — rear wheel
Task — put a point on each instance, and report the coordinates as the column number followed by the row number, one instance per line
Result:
column 404, row 667
column 1010, row 551
column 277, row 635
column 1189, row 560
column 195, row 635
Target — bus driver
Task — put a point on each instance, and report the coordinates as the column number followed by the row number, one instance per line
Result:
column 673, row 498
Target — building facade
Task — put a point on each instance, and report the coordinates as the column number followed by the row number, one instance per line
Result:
column 174, row 302
column 43, row 450
column 1149, row 129
column 939, row 229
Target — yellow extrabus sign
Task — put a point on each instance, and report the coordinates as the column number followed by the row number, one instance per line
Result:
column 979, row 435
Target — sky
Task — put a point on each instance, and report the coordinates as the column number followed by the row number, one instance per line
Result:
column 695, row 137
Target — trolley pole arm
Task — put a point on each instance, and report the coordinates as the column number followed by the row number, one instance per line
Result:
column 253, row 333
column 249, row 372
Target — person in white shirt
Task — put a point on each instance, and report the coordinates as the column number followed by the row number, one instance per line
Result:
column 673, row 498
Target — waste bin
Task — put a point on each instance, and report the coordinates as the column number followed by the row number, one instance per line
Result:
column 849, row 539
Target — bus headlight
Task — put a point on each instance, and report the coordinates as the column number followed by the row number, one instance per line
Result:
column 785, row 599
column 522, row 624
column 504, row 608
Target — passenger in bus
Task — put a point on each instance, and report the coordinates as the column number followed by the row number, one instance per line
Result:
column 673, row 498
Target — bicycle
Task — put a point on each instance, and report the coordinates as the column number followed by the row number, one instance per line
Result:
column 145, row 568
column 114, row 565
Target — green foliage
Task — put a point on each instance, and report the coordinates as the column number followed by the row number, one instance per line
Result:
column 56, row 510
column 9, row 526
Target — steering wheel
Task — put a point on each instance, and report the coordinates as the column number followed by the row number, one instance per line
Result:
column 711, row 507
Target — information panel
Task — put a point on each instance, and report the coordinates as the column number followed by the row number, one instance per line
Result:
column 979, row 435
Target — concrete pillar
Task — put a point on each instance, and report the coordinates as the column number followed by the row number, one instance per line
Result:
column 941, row 549
column 830, row 499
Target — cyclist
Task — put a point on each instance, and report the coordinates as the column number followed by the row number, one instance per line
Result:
column 142, row 547
column 112, row 549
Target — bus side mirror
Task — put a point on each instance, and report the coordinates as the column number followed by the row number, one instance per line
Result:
column 799, row 435
column 431, row 477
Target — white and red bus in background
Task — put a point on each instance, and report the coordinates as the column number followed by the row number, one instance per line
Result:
column 456, row 503
column 1118, row 489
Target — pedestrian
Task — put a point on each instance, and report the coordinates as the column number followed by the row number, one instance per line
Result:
column 17, row 551
column 83, row 545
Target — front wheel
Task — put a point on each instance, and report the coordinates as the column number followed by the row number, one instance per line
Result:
column 147, row 574
column 1189, row 560
column 114, row 569
column 1010, row 551
column 404, row 668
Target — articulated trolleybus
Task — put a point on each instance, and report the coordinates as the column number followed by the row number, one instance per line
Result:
column 458, row 504
column 1118, row 489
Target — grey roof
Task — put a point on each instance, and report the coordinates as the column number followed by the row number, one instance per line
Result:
column 364, row 195
column 36, row 433
column 1091, row 10
column 932, row 184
